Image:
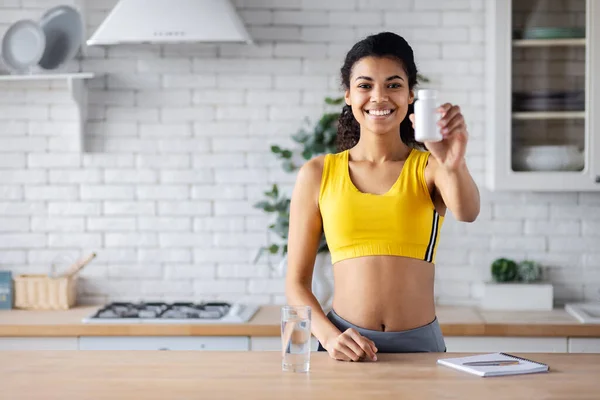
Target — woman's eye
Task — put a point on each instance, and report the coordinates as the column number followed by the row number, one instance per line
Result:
column 391, row 86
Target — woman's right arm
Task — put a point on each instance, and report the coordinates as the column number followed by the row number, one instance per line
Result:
column 303, row 241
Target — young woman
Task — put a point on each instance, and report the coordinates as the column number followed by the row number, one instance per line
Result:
column 381, row 203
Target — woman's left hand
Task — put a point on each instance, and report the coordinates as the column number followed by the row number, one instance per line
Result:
column 450, row 151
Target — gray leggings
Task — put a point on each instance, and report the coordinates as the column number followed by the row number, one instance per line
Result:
column 426, row 338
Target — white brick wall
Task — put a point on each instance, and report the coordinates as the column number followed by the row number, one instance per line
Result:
column 178, row 139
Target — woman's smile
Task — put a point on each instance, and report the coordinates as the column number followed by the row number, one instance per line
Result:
column 379, row 114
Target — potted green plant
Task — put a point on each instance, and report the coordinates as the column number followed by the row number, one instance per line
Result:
column 516, row 286
column 313, row 139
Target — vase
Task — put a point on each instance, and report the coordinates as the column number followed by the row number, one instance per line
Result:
column 321, row 288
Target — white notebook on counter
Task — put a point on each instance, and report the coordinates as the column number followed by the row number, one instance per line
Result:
column 494, row 364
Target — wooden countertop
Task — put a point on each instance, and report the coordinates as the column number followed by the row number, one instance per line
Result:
column 68, row 323
column 226, row 375
column 454, row 321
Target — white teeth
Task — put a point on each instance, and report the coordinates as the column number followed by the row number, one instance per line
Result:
column 379, row 112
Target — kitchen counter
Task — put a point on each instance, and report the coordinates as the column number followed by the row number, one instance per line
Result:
column 454, row 321
column 68, row 323
column 257, row 375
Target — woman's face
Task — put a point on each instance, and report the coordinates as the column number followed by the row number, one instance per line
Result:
column 379, row 94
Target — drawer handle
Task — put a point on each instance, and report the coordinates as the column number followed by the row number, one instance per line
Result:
column 163, row 348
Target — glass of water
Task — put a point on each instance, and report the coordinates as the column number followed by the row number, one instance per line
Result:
column 295, row 338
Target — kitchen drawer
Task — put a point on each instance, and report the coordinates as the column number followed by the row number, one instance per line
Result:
column 38, row 343
column 584, row 345
column 204, row 343
column 497, row 344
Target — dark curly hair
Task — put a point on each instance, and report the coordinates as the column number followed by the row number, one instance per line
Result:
column 384, row 44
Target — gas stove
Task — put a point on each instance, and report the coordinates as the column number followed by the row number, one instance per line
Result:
column 172, row 313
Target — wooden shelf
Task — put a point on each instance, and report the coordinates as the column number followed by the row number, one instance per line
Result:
column 77, row 88
column 548, row 42
column 522, row 115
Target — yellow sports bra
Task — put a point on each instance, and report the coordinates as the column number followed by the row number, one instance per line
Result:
column 400, row 222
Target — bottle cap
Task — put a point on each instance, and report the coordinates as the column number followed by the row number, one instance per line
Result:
column 426, row 94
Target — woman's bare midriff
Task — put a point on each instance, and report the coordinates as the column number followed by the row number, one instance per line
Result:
column 384, row 293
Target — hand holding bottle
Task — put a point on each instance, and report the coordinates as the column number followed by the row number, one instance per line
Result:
column 445, row 137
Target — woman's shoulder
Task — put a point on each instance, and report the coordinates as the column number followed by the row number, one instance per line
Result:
column 421, row 156
column 312, row 170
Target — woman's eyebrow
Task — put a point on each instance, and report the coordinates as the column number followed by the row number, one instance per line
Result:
column 368, row 78
column 391, row 78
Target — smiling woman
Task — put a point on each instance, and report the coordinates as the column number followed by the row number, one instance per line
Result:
column 401, row 84
column 381, row 202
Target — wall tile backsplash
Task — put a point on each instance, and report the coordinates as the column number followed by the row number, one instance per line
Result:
column 177, row 151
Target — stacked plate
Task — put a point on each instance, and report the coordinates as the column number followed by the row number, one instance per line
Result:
column 553, row 33
column 48, row 44
column 548, row 158
column 549, row 100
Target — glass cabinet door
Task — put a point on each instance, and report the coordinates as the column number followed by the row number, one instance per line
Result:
column 548, row 86
column 543, row 95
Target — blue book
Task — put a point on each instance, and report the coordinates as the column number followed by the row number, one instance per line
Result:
column 6, row 290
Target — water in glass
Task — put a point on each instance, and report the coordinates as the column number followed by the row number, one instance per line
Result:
column 295, row 338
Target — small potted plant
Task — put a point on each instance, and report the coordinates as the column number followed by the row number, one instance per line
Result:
column 517, row 286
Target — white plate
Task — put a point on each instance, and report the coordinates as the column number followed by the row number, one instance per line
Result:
column 63, row 27
column 23, row 46
column 549, row 158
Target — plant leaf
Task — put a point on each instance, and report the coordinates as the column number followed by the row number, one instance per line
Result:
column 300, row 137
column 283, row 205
column 262, row 205
column 330, row 135
column 286, row 154
column 273, row 193
column 334, row 101
column 423, row 78
column 288, row 166
column 319, row 148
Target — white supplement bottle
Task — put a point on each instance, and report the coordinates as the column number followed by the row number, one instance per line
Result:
column 426, row 117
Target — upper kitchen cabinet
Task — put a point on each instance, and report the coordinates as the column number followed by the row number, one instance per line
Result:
column 543, row 95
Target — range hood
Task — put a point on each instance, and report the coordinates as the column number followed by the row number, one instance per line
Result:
column 171, row 21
